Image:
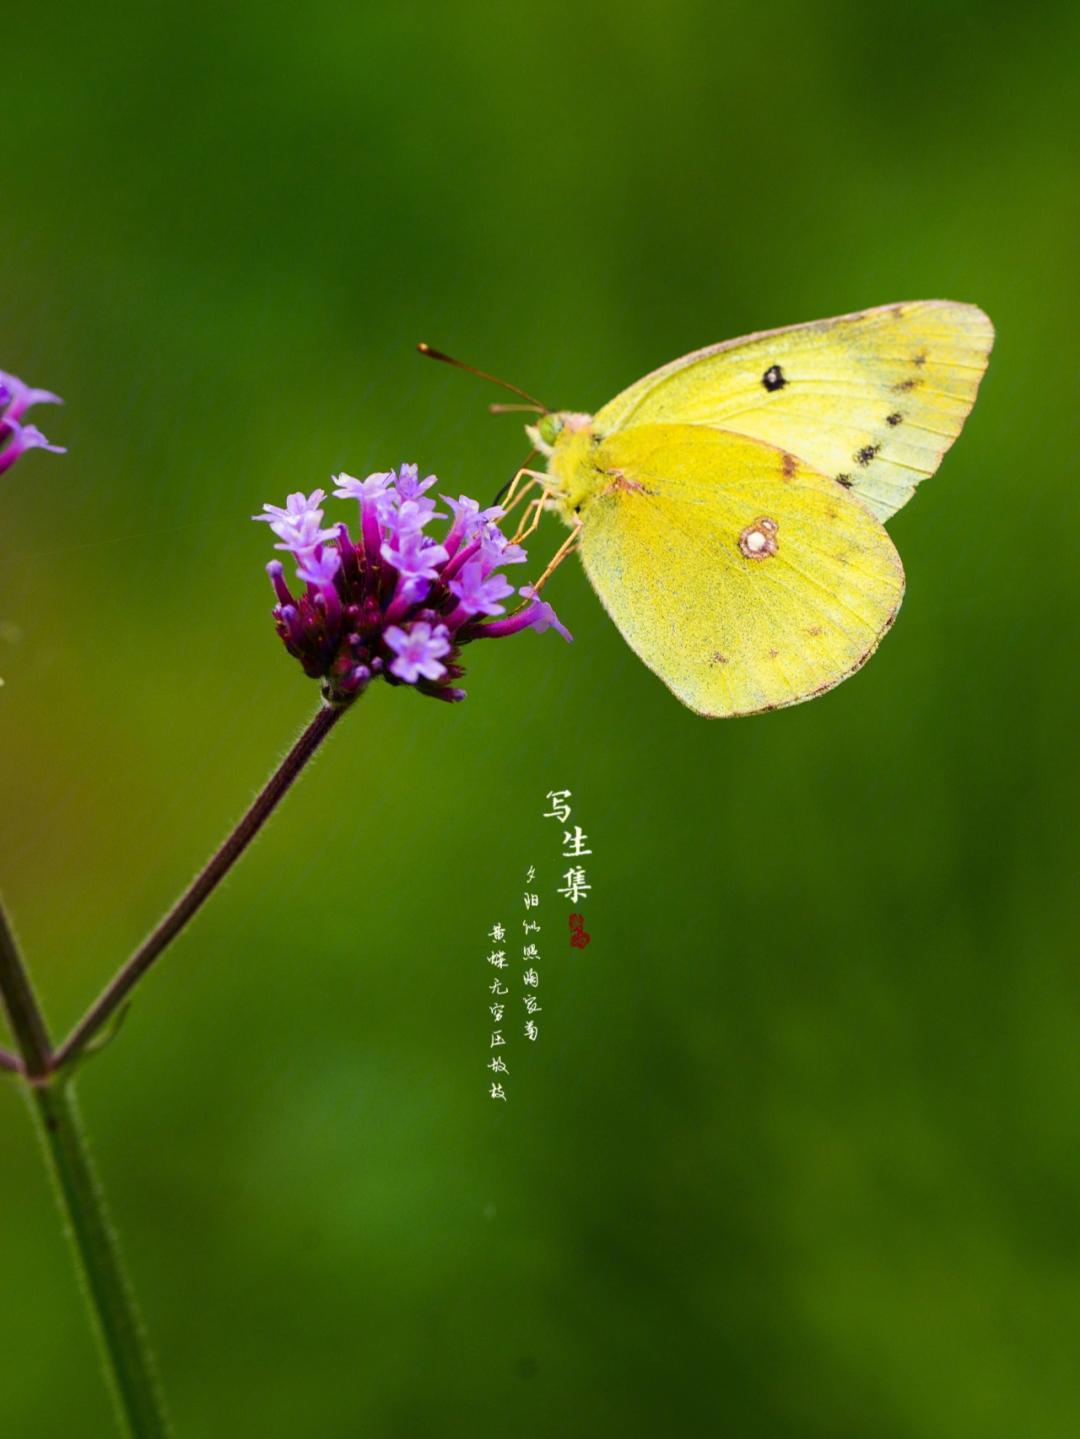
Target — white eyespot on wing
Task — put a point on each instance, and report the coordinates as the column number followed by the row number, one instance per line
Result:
column 758, row 541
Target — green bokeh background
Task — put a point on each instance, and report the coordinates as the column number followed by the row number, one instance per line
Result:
column 798, row 1151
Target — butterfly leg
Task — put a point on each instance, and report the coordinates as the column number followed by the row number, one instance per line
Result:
column 561, row 553
column 530, row 519
column 513, row 495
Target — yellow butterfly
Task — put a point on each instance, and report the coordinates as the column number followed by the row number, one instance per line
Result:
column 729, row 507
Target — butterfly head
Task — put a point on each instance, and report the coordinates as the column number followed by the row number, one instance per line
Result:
column 545, row 434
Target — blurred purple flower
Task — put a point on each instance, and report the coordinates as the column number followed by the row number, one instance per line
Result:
column 15, row 437
column 19, row 397
column 23, row 438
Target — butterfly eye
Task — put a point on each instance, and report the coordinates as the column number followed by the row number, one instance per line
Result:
column 549, row 428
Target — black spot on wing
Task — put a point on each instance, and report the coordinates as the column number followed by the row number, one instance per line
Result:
column 866, row 454
column 845, row 480
column 773, row 379
column 906, row 385
column 894, row 419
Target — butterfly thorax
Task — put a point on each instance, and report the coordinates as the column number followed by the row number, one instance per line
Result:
column 574, row 468
column 570, row 444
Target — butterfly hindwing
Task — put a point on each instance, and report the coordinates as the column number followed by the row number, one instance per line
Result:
column 872, row 400
column 742, row 577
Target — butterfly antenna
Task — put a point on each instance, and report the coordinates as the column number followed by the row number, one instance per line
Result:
column 449, row 360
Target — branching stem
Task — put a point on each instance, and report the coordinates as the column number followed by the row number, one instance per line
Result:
column 201, row 888
column 48, row 1075
column 20, row 1004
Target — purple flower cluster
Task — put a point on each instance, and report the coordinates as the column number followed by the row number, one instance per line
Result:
column 394, row 602
column 15, row 437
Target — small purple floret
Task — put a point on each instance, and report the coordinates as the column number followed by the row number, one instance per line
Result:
column 297, row 508
column 414, row 556
column 497, row 550
column 545, row 618
column 409, row 487
column 377, row 490
column 537, row 615
column 396, row 603
column 318, row 567
column 298, row 523
column 418, row 651
column 477, row 595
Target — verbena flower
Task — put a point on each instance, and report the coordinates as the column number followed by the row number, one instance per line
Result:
column 395, row 602
column 15, row 437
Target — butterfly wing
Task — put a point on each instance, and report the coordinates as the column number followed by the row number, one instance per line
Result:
column 873, row 399
column 743, row 578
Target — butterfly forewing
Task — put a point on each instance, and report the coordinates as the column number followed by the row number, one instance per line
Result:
column 872, row 400
column 743, row 578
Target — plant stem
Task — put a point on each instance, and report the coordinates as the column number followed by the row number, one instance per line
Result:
column 127, row 1360
column 112, row 1303
column 203, row 886
column 21, row 1006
